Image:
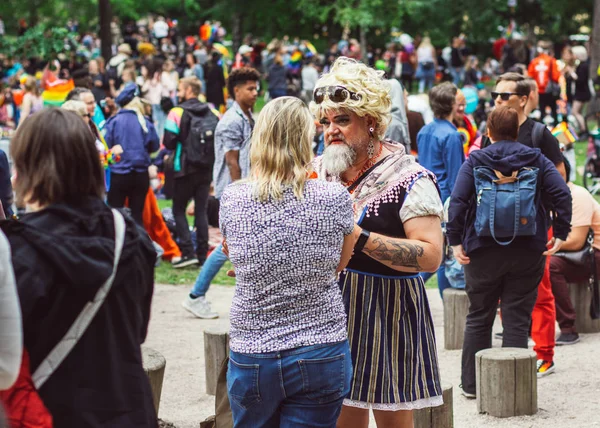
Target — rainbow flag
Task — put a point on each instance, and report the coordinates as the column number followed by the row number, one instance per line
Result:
column 56, row 92
column 295, row 64
column 564, row 133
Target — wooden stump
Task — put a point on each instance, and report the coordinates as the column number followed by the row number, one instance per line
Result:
column 154, row 366
column 216, row 349
column 506, row 382
column 456, row 308
column 436, row 417
column 581, row 297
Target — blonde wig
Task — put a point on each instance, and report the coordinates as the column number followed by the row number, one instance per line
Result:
column 281, row 148
column 369, row 84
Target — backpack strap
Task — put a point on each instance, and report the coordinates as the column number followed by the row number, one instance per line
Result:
column 536, row 133
column 77, row 330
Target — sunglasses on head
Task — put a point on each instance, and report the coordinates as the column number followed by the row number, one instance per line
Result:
column 337, row 94
column 504, row 95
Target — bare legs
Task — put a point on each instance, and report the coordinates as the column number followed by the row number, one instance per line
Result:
column 576, row 110
column 353, row 417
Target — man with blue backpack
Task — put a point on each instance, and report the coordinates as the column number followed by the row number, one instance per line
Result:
column 497, row 228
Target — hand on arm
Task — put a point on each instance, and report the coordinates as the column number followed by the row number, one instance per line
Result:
column 420, row 251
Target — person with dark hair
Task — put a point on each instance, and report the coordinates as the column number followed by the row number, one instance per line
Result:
column 513, row 90
column 509, row 273
column 84, row 276
column 215, row 81
column 189, row 132
column 563, row 271
column 441, row 150
column 232, row 162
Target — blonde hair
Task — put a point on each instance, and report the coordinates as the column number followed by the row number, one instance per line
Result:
column 281, row 148
column 32, row 86
column 77, row 107
column 426, row 43
column 369, row 84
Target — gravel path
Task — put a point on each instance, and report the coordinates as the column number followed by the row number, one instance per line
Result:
column 568, row 398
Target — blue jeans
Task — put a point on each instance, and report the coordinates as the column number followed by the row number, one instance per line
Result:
column 301, row 387
column 159, row 117
column 209, row 270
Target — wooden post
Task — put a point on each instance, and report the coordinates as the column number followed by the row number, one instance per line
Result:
column 456, row 308
column 436, row 417
column 506, row 381
column 216, row 349
column 154, row 366
column 581, row 297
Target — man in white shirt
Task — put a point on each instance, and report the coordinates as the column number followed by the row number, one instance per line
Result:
column 160, row 28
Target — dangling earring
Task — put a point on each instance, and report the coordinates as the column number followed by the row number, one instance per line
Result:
column 371, row 149
column 371, row 146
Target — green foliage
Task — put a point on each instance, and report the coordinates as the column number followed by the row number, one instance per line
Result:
column 440, row 19
column 40, row 41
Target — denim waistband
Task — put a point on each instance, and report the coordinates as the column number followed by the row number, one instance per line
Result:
column 289, row 352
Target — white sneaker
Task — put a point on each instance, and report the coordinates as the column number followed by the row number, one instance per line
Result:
column 200, row 307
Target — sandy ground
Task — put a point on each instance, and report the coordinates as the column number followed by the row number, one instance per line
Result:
column 568, row 398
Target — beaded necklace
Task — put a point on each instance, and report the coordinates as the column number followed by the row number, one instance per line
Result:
column 364, row 169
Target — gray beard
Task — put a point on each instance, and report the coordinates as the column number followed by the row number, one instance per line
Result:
column 337, row 158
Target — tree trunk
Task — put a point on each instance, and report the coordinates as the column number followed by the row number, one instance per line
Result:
column 363, row 44
column 236, row 33
column 595, row 45
column 105, row 12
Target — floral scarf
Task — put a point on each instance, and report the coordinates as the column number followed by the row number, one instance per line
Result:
column 383, row 183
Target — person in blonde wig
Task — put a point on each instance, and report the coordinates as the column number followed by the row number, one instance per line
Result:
column 397, row 234
column 287, row 236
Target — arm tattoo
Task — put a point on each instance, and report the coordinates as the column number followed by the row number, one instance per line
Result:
column 399, row 254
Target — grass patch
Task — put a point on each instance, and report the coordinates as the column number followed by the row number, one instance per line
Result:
column 165, row 274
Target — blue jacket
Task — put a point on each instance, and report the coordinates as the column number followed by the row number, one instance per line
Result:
column 124, row 129
column 441, row 152
column 508, row 156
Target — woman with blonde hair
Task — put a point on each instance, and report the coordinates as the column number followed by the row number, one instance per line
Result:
column 427, row 65
column 287, row 236
column 32, row 100
column 397, row 211
column 135, row 133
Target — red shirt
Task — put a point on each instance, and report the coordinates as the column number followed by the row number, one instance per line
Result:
column 544, row 69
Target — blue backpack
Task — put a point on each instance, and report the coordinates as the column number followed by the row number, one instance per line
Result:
column 505, row 204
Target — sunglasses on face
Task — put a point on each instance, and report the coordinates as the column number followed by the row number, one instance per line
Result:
column 503, row 95
column 337, row 94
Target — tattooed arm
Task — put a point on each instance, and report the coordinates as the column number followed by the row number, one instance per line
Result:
column 421, row 251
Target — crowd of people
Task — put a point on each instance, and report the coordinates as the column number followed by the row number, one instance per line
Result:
column 336, row 203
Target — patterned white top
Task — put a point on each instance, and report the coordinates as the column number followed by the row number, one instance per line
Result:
column 285, row 255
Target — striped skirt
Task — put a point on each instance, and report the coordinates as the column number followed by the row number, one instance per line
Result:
column 392, row 343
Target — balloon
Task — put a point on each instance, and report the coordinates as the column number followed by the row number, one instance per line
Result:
column 472, row 99
column 405, row 39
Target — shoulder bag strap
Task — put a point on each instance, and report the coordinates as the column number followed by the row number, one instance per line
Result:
column 595, row 303
column 77, row 330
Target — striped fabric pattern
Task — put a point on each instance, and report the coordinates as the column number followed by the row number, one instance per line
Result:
column 392, row 342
